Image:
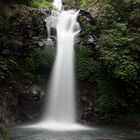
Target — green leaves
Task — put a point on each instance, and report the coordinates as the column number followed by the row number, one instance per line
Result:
column 6, row 67
column 38, row 25
column 120, row 63
column 86, row 67
column 86, row 27
column 117, row 25
column 115, row 52
column 86, row 4
column 40, row 57
column 27, row 2
column 127, row 70
column 135, row 16
column 107, row 17
column 37, row 65
column 42, row 4
column 107, row 99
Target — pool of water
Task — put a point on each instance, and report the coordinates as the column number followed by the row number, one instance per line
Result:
column 97, row 133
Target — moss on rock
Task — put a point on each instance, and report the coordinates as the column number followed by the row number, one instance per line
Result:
column 4, row 133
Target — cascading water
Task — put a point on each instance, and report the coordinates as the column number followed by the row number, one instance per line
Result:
column 61, row 103
column 60, row 110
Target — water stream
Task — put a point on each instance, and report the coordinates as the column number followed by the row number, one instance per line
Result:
column 60, row 108
column 61, row 102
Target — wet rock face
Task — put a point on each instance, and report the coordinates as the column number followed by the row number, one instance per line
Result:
column 87, row 34
column 31, row 103
column 88, row 16
column 7, row 101
column 19, row 25
column 86, row 101
column 21, row 107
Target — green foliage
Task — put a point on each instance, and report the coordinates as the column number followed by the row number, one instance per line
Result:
column 135, row 17
column 39, row 57
column 118, row 45
column 125, row 7
column 87, row 28
column 86, row 68
column 47, row 4
column 115, row 52
column 6, row 67
column 131, row 118
column 27, row 2
column 4, row 133
column 38, row 25
column 16, row 44
column 120, row 63
column 107, row 99
column 85, row 4
column 117, row 29
column 37, row 64
column 107, row 17
column 42, row 4
column 127, row 70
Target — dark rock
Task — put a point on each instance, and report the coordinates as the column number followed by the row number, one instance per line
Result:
column 88, row 16
column 87, row 37
column 19, row 103
column 16, row 44
column 86, row 95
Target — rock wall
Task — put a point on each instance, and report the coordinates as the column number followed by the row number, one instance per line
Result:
column 21, row 29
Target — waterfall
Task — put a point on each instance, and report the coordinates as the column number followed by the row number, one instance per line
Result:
column 60, row 108
column 61, row 102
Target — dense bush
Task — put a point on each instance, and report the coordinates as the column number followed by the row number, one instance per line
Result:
column 118, row 40
column 38, row 26
column 7, row 66
column 86, row 4
column 106, row 101
column 27, row 2
column 34, row 3
column 37, row 65
column 87, row 69
column 42, row 4
column 117, row 56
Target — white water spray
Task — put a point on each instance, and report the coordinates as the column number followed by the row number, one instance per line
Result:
column 58, row 4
